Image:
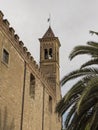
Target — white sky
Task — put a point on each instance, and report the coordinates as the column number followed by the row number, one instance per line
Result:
column 71, row 21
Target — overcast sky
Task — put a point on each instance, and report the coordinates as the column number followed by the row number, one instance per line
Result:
column 71, row 21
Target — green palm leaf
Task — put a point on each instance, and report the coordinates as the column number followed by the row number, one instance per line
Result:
column 93, row 32
column 82, row 99
column 89, row 93
column 93, row 44
column 77, row 73
column 79, row 50
column 70, row 114
column 89, row 63
column 94, row 121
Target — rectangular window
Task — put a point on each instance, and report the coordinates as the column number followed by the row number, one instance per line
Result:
column 32, row 86
column 50, row 104
column 46, row 54
column 50, row 53
column 5, row 56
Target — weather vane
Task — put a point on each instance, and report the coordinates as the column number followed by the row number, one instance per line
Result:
column 49, row 20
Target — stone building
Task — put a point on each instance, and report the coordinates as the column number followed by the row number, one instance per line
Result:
column 28, row 92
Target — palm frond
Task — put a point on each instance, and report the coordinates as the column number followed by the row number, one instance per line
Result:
column 72, row 123
column 90, row 91
column 81, row 122
column 70, row 114
column 93, row 44
column 80, row 50
column 94, row 121
column 86, row 105
column 62, row 106
column 75, row 91
column 78, row 122
column 81, row 101
column 89, row 63
column 93, row 32
column 72, row 94
column 78, row 73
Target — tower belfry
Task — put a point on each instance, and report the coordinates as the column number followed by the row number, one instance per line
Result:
column 49, row 57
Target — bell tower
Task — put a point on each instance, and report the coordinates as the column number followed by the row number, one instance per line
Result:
column 49, row 58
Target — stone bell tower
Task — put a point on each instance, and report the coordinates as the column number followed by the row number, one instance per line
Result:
column 49, row 58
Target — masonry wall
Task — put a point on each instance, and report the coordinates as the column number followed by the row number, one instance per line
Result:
column 18, row 110
column 33, row 106
column 36, row 111
column 11, row 85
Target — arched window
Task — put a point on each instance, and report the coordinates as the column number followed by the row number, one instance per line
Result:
column 46, row 54
column 50, row 53
column 32, row 86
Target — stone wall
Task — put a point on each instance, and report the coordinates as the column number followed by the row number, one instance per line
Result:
column 18, row 110
column 11, row 82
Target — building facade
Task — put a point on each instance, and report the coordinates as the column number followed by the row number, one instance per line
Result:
column 28, row 92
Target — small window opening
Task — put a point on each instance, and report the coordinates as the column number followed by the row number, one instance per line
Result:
column 32, row 86
column 50, row 104
column 5, row 56
column 50, row 53
column 46, row 54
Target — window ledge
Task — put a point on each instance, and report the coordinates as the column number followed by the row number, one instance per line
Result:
column 5, row 63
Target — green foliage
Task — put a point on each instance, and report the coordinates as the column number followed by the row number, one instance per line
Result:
column 82, row 99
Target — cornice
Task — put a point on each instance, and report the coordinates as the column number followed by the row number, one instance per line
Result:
column 49, row 39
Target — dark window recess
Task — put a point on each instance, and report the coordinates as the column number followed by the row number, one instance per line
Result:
column 46, row 54
column 32, row 86
column 50, row 53
column 5, row 56
column 50, row 104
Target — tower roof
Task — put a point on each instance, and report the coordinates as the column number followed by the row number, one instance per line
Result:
column 49, row 33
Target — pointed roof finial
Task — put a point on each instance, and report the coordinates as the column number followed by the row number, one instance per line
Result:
column 49, row 20
column 49, row 33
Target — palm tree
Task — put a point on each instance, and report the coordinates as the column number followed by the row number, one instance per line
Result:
column 82, row 98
